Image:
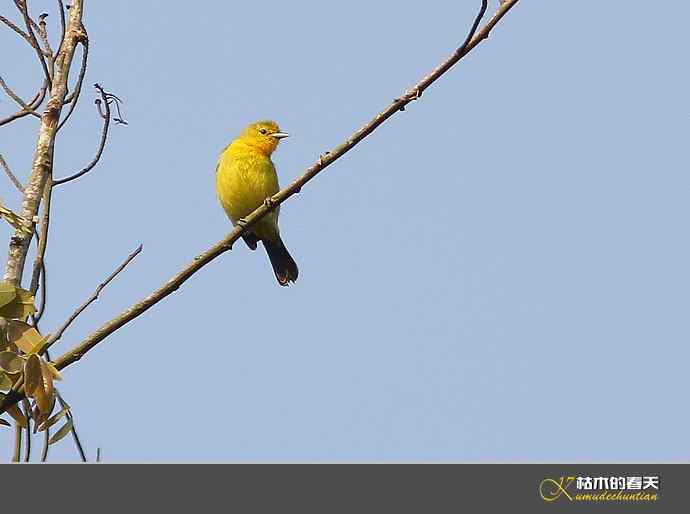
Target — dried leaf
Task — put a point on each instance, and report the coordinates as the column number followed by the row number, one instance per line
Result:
column 20, row 307
column 38, row 418
column 4, row 423
column 54, row 371
column 45, row 400
column 17, row 415
column 24, row 336
column 32, row 374
column 11, row 363
column 7, row 292
column 3, row 334
column 47, row 379
column 64, row 430
column 54, row 419
column 5, row 382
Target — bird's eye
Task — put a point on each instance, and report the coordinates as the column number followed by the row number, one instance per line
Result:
column 263, row 131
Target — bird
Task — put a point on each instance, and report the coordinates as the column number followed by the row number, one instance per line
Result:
column 245, row 178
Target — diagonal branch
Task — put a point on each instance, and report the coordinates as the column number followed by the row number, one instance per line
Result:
column 54, row 338
column 33, row 104
column 19, row 31
column 17, row 98
column 271, row 203
column 12, row 177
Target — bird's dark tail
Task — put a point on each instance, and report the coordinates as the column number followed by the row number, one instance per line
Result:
column 283, row 264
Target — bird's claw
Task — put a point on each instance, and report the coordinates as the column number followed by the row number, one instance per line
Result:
column 269, row 203
column 241, row 223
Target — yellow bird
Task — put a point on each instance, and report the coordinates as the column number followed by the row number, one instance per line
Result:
column 245, row 177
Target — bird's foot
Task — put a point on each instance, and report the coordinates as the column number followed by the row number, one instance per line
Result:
column 241, row 223
column 269, row 203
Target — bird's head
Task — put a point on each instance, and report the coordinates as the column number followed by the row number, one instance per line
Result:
column 263, row 135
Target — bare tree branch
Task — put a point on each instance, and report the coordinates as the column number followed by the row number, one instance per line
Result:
column 46, row 444
column 62, row 25
column 17, row 98
column 74, row 97
column 42, row 238
column 42, row 164
column 27, row 415
column 58, row 334
column 75, row 436
column 43, row 33
column 33, row 104
column 17, row 442
column 23, row 6
column 105, row 100
column 11, row 175
column 19, row 31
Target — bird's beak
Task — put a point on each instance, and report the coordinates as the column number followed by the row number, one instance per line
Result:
column 280, row 135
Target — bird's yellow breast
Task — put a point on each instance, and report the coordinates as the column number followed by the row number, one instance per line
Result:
column 245, row 177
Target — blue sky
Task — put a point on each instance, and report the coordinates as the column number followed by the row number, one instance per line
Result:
column 500, row 273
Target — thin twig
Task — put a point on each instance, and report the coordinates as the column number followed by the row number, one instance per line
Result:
column 19, row 31
column 75, row 436
column 58, row 333
column 271, row 203
column 44, row 295
column 39, row 268
column 46, row 444
column 63, row 26
column 46, row 432
column 35, row 102
column 42, row 237
column 17, row 98
column 24, row 8
column 104, row 137
column 17, row 442
column 43, row 33
column 27, row 415
column 11, row 175
column 74, row 97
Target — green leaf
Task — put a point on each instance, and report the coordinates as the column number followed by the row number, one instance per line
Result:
column 64, row 430
column 20, row 307
column 7, row 292
column 11, row 363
